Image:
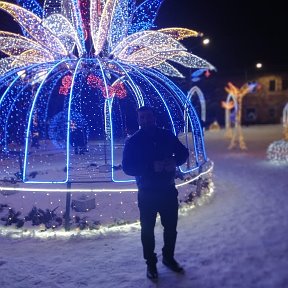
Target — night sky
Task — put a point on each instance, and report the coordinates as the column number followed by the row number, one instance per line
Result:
column 241, row 32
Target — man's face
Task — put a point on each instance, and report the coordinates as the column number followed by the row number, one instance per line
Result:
column 146, row 119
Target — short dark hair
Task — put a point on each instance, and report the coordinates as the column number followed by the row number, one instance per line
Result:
column 146, row 108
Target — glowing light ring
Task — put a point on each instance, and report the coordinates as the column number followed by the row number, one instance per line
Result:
column 97, row 190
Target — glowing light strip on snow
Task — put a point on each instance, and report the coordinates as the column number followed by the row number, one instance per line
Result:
column 87, row 190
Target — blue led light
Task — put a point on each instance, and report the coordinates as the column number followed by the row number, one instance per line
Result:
column 94, row 87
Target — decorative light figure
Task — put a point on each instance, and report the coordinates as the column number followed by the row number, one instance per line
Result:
column 237, row 95
column 230, row 106
column 195, row 90
column 277, row 151
column 285, row 122
column 107, row 60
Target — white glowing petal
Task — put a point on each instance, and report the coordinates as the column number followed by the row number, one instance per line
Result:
column 67, row 11
column 5, row 65
column 30, row 57
column 32, row 24
column 104, row 26
column 180, row 33
column 62, row 28
column 191, row 61
column 146, row 57
column 14, row 44
column 35, row 56
column 96, row 8
column 169, row 70
column 156, row 41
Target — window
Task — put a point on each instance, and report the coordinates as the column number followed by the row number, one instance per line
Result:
column 250, row 115
column 272, row 85
column 284, row 84
column 272, row 113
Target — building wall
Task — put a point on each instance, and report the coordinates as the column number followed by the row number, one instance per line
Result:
column 265, row 105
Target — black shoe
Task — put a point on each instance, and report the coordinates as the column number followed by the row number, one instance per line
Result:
column 152, row 272
column 173, row 265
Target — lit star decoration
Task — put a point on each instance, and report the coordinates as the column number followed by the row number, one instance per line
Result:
column 107, row 58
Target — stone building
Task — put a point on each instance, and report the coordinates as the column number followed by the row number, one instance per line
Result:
column 265, row 105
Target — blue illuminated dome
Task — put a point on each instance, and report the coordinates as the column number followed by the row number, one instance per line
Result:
column 71, row 85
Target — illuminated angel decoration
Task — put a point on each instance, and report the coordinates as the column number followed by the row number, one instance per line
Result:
column 100, row 60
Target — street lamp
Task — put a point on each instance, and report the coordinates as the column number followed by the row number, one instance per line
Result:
column 206, row 41
column 259, row 65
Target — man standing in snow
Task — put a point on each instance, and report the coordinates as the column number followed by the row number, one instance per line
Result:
column 151, row 155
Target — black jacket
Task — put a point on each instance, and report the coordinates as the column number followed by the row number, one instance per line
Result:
column 145, row 147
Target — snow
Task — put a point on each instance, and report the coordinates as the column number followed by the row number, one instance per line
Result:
column 237, row 238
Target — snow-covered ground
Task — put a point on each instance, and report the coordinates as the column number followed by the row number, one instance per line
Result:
column 239, row 238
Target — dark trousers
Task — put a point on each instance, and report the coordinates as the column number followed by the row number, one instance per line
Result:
column 166, row 204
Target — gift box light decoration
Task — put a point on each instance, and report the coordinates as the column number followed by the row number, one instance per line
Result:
column 88, row 64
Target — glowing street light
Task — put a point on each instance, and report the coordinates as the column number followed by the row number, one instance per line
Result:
column 259, row 65
column 206, row 41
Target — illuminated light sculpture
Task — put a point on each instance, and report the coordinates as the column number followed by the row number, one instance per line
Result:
column 277, row 151
column 285, row 122
column 89, row 64
column 230, row 106
column 196, row 91
column 236, row 95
